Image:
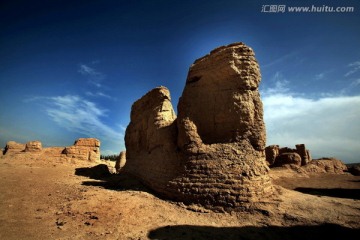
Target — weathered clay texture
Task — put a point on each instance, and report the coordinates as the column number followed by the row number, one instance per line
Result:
column 276, row 156
column 221, row 97
column 150, row 140
column 13, row 147
column 326, row 165
column 86, row 149
column 288, row 158
column 120, row 162
column 221, row 131
column 213, row 153
column 33, row 146
column 271, row 153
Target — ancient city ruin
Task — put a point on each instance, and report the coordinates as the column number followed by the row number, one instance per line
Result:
column 276, row 156
column 84, row 149
column 212, row 153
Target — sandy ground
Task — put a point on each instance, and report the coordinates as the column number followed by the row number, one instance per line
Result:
column 47, row 200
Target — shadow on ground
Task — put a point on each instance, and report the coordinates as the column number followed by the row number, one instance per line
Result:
column 105, row 179
column 331, row 192
column 354, row 180
column 97, row 172
column 188, row 232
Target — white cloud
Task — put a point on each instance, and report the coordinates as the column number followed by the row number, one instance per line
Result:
column 122, row 127
column 355, row 67
column 94, row 77
column 355, row 83
column 100, row 94
column 80, row 115
column 282, row 59
column 328, row 125
column 280, row 84
column 319, row 76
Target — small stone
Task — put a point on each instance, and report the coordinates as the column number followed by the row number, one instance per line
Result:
column 60, row 222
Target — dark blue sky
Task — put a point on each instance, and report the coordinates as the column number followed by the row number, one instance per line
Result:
column 71, row 69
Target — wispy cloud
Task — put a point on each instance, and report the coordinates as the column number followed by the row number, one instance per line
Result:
column 319, row 76
column 327, row 125
column 77, row 114
column 83, row 117
column 94, row 77
column 100, row 94
column 122, row 127
column 282, row 59
column 355, row 83
column 280, row 84
column 355, row 67
column 351, row 87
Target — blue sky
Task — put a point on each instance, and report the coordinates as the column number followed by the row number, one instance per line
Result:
column 71, row 69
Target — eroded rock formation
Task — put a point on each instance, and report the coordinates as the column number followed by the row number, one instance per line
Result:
column 120, row 162
column 33, row 146
column 86, row 149
column 213, row 153
column 271, row 153
column 354, row 170
column 276, row 156
column 13, row 147
column 288, row 158
column 150, row 140
column 300, row 159
column 304, row 154
column 53, row 153
column 326, row 165
column 221, row 98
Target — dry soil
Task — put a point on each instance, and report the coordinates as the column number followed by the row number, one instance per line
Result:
column 51, row 200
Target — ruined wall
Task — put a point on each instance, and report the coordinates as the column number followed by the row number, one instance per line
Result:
column 13, row 147
column 221, row 97
column 213, row 153
column 120, row 162
column 33, row 146
column 326, row 165
column 222, row 132
column 276, row 156
column 150, row 140
column 84, row 149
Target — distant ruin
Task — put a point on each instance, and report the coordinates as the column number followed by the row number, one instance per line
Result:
column 276, row 156
column 84, row 149
column 212, row 154
column 300, row 159
column 120, row 162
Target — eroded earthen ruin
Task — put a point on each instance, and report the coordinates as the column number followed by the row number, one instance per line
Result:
column 84, row 149
column 212, row 153
column 300, row 159
column 276, row 156
column 120, row 161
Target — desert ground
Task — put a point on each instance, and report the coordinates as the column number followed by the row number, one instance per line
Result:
column 62, row 200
